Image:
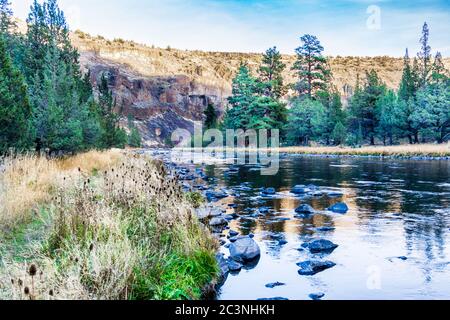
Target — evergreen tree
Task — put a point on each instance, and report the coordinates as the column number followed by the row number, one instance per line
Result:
column 431, row 114
column 15, row 108
column 408, row 86
column 270, row 73
column 245, row 91
column 113, row 135
column 7, row 24
column 305, row 121
column 334, row 113
column 266, row 113
column 210, row 116
column 439, row 73
column 363, row 106
column 134, row 138
column 311, row 66
column 392, row 117
column 425, row 56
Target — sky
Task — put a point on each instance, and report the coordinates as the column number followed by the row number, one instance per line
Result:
column 344, row 27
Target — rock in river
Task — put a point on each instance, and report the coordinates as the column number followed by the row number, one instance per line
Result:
column 317, row 296
column 319, row 246
column 208, row 212
column 273, row 299
column 218, row 222
column 234, row 266
column 244, row 249
column 339, row 208
column 305, row 209
column 269, row 191
column 299, row 189
column 223, row 268
column 275, row 284
column 312, row 267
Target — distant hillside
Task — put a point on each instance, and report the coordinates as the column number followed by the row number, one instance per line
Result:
column 168, row 88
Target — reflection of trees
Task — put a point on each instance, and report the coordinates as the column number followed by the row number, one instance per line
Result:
column 416, row 202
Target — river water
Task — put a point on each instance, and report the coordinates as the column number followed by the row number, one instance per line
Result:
column 394, row 242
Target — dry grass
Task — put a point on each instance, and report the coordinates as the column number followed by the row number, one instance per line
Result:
column 125, row 232
column 27, row 181
column 408, row 151
column 427, row 150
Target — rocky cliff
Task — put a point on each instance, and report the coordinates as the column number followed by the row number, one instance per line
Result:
column 165, row 89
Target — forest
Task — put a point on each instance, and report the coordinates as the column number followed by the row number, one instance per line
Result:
column 417, row 112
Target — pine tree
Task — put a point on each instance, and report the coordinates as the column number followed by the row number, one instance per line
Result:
column 311, row 66
column 15, row 108
column 425, row 56
column 245, row 91
column 305, row 121
column 7, row 24
column 363, row 106
column 391, row 117
column 270, row 73
column 113, row 135
column 210, row 116
column 439, row 73
column 408, row 86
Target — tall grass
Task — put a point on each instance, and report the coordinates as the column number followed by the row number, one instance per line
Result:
column 111, row 229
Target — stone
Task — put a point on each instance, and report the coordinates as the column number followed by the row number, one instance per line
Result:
column 273, row 299
column 300, row 189
column 312, row 267
column 233, row 233
column 275, row 284
column 317, row 296
column 320, row 246
column 305, row 209
column 208, row 212
column 269, row 191
column 244, row 249
column 340, row 207
column 234, row 266
column 218, row 222
column 223, row 267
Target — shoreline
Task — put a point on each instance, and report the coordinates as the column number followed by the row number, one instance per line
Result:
column 422, row 152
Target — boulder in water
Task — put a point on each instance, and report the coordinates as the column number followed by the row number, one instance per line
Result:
column 244, row 249
column 320, row 246
column 312, row 267
column 305, row 209
column 340, row 207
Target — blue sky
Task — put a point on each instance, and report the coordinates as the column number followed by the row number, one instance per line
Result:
column 345, row 27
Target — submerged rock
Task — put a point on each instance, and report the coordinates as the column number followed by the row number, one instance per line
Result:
column 317, row 296
column 300, row 189
column 275, row 284
column 273, row 299
column 312, row 267
column 244, row 249
column 269, row 191
column 340, row 207
column 305, row 209
column 320, row 246
column 233, row 233
column 234, row 266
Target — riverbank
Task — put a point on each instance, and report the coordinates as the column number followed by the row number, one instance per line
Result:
column 413, row 152
column 100, row 225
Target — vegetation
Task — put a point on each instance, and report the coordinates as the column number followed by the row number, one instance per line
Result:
column 46, row 103
column 100, row 225
column 417, row 112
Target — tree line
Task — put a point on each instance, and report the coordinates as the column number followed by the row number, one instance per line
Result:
column 419, row 111
column 46, row 102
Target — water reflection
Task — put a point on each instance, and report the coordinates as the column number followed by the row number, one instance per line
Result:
column 396, row 209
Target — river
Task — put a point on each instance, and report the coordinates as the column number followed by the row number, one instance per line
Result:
column 394, row 242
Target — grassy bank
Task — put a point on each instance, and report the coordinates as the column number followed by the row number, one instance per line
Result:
column 407, row 151
column 99, row 226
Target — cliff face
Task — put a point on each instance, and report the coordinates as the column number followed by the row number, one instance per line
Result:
column 166, row 89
